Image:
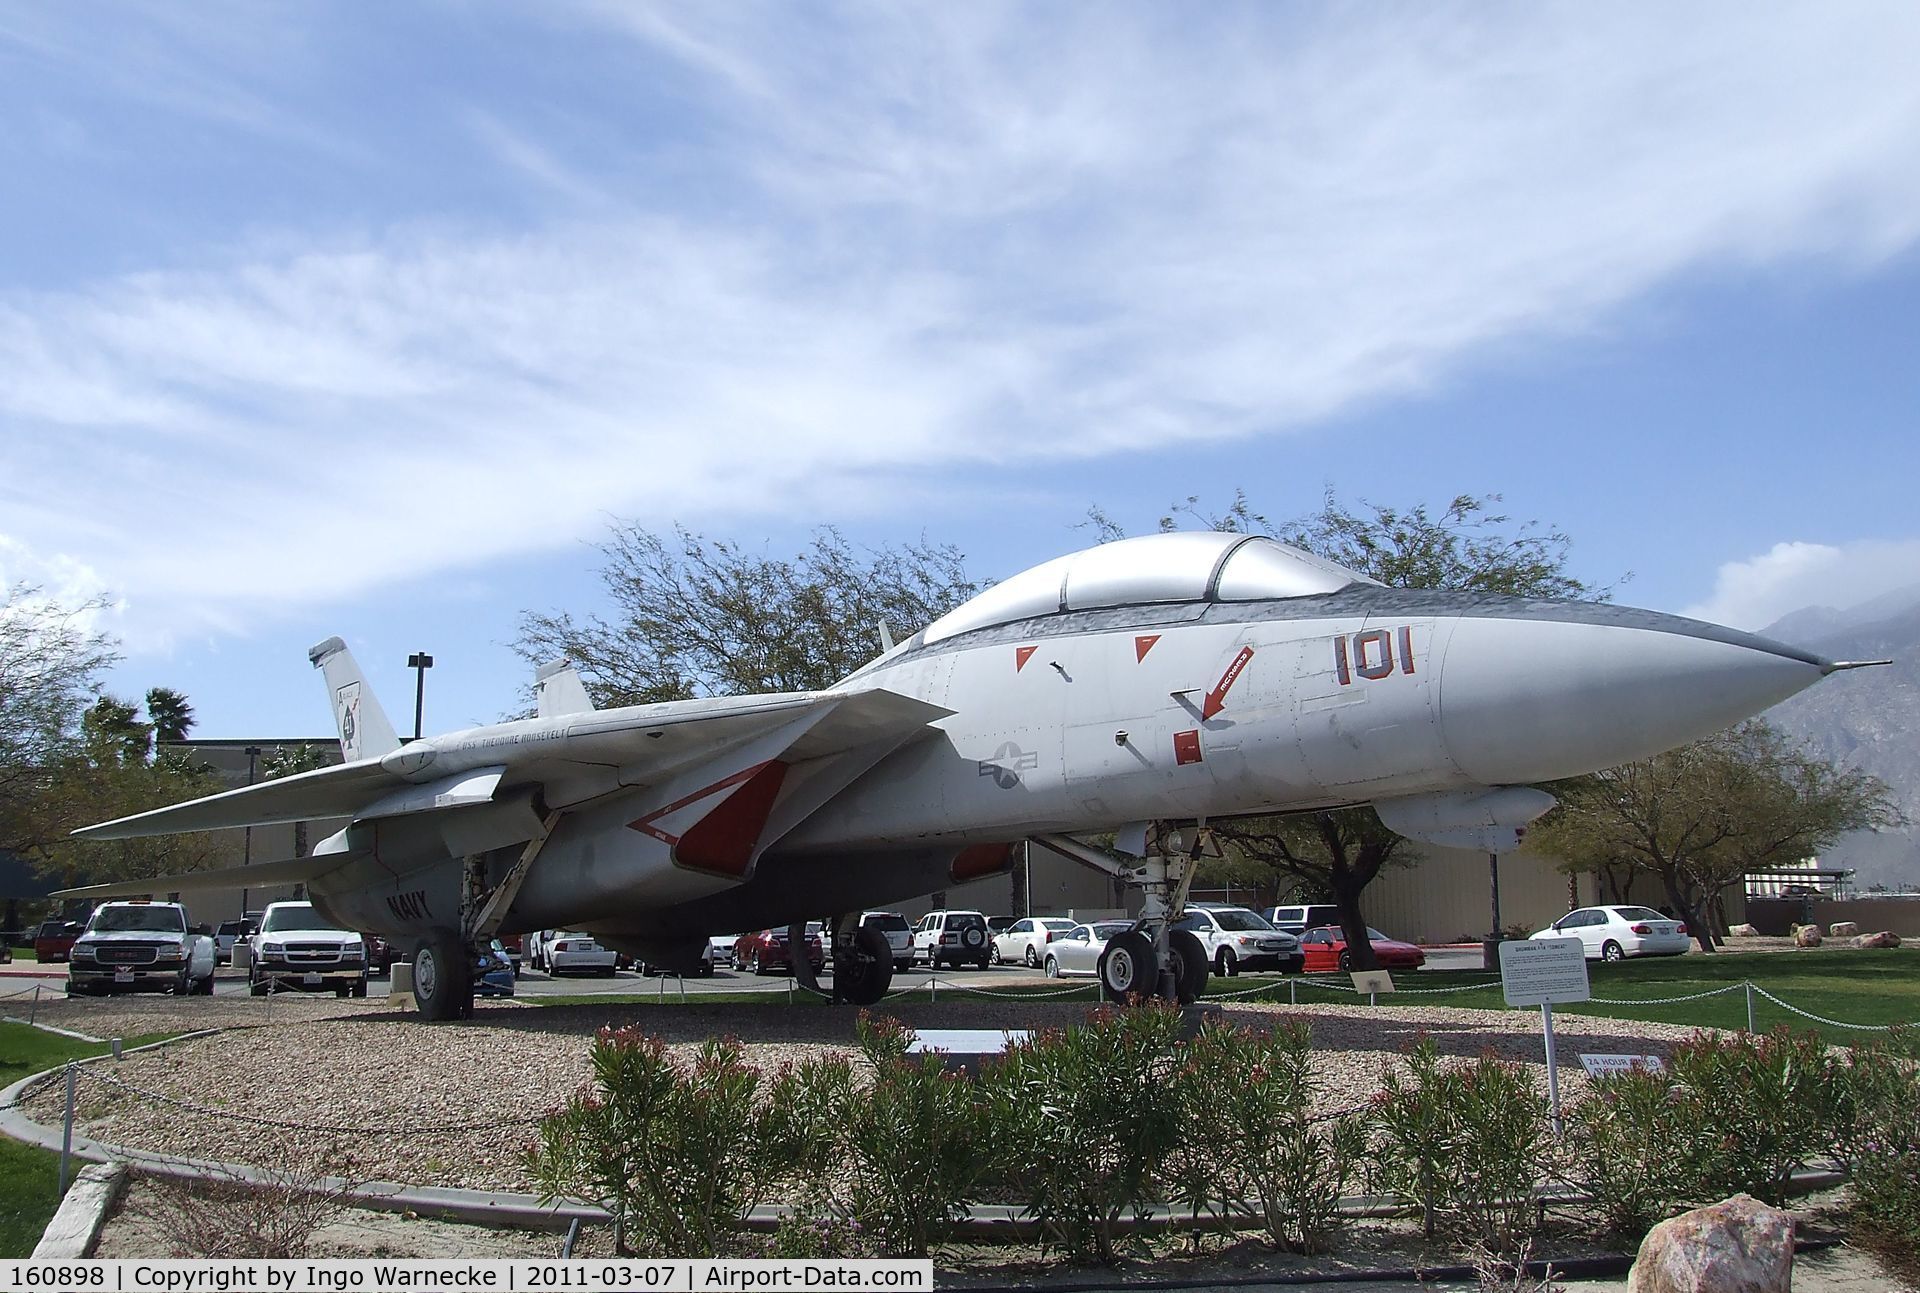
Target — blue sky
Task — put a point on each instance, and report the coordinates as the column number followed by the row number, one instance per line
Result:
column 365, row 320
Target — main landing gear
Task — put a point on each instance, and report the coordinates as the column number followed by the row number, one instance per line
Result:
column 860, row 955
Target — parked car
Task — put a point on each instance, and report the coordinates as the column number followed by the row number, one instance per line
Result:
column 1298, row 919
column 381, row 954
column 572, row 952
column 137, row 946
column 229, row 932
column 53, row 941
column 1078, row 950
column 298, row 949
column 1025, row 941
column 1615, row 933
column 1326, row 949
column 998, row 925
column 1237, row 939
column 950, row 937
column 899, row 935
column 765, row 950
column 493, row 972
column 702, row 969
column 720, row 948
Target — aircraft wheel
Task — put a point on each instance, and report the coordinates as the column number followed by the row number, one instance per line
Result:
column 205, row 986
column 1128, row 968
column 442, row 984
column 863, row 973
column 1611, row 951
column 1189, row 965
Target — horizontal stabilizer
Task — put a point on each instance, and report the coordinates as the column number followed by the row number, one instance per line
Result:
column 338, row 791
column 256, row 876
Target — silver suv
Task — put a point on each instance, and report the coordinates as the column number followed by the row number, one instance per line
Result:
column 1237, row 939
column 899, row 934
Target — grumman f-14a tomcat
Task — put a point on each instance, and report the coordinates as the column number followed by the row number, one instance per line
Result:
column 1151, row 682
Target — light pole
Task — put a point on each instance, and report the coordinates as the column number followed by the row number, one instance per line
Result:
column 419, row 662
column 253, row 761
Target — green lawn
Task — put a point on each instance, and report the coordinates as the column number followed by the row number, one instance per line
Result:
column 29, row 1177
column 1855, row 986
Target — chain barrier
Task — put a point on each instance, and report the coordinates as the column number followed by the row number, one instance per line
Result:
column 86, row 1072
column 1668, row 1001
column 1822, row 1019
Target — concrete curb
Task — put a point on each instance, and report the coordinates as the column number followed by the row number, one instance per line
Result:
column 75, row 1227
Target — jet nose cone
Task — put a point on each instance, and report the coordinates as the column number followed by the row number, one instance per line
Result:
column 1555, row 691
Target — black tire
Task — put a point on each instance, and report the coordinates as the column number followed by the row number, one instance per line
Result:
column 360, row 988
column 1033, row 958
column 974, row 939
column 205, row 986
column 442, row 979
column 1612, row 951
column 901, row 967
column 1052, row 968
column 759, row 963
column 609, row 972
column 863, row 973
column 1189, row 965
column 1346, row 960
column 993, row 957
column 1128, row 968
column 1227, row 964
column 982, row 964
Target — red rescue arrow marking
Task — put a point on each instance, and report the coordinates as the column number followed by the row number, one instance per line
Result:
column 1020, row 657
column 1217, row 698
column 1142, row 645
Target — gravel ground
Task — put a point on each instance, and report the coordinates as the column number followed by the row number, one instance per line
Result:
column 381, row 1096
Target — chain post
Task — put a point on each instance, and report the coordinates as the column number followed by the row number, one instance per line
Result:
column 1749, row 986
column 66, row 1133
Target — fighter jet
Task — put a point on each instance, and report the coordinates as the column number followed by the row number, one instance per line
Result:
column 1134, row 687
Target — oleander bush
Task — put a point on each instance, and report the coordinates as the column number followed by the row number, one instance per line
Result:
column 674, row 1149
column 1086, row 1112
column 1250, row 1146
column 1468, row 1143
column 1624, row 1139
column 1884, row 1149
column 1756, row 1108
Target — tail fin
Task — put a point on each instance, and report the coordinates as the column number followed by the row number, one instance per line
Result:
column 365, row 732
column 560, row 690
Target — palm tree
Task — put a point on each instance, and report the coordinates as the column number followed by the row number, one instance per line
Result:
column 170, row 715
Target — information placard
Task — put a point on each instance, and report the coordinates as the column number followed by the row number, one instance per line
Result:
column 1543, row 971
column 1602, row 1065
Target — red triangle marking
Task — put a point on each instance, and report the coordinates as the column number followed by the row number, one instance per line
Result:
column 1142, row 645
column 1020, row 657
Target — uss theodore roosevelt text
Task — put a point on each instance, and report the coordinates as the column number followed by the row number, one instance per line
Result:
column 370, row 1276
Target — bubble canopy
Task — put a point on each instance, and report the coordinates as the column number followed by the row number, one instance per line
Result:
column 1197, row 566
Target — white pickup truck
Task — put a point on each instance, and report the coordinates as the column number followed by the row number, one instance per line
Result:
column 299, row 950
column 140, row 947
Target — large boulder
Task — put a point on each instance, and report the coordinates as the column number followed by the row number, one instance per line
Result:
column 1739, row 1245
column 1842, row 929
column 1806, row 936
column 1885, row 938
column 1743, row 931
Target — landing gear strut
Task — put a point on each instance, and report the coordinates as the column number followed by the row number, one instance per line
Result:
column 861, row 958
column 1153, row 959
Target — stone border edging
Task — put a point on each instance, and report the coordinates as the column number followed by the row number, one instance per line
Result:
column 75, row 1226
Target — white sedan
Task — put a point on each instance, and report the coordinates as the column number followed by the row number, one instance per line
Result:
column 1615, row 933
column 575, row 953
column 1078, row 950
column 1025, row 941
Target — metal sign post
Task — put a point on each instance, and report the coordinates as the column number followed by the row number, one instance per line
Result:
column 1541, row 972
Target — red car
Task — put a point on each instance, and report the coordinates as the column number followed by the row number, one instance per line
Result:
column 53, row 941
column 765, row 951
column 1326, row 949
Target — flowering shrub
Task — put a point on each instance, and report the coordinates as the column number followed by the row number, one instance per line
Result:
column 1086, row 1110
column 670, row 1148
column 1467, row 1142
column 813, row 1230
column 1248, row 1139
column 1625, row 1138
column 1883, row 1084
column 1755, row 1109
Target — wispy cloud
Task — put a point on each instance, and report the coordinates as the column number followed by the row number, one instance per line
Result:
column 917, row 238
column 1754, row 593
